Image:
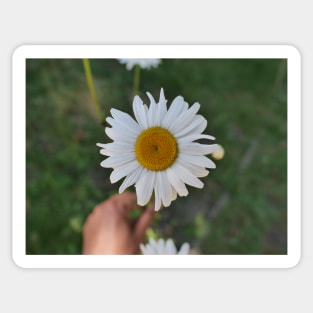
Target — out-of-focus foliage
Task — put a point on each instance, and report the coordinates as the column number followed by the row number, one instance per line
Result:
column 243, row 206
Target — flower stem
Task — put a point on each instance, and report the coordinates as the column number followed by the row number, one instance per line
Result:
column 136, row 79
column 92, row 89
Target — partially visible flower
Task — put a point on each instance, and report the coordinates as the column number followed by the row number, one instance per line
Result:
column 143, row 63
column 158, row 152
column 163, row 247
column 219, row 153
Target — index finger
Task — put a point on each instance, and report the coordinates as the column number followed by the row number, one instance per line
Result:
column 125, row 201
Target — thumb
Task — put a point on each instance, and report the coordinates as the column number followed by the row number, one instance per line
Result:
column 143, row 223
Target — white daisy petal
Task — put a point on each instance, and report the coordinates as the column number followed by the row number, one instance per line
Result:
column 161, row 111
column 199, row 128
column 118, row 160
column 186, row 176
column 176, row 182
column 170, row 247
column 162, row 97
column 153, row 244
column 196, row 170
column 157, row 194
column 119, row 146
column 163, row 247
column 195, row 123
column 184, row 119
column 117, row 135
column 107, row 152
column 123, row 171
column 101, row 145
column 185, row 107
column 149, row 250
column 160, row 246
column 194, row 137
column 123, row 127
column 130, row 179
column 125, row 119
column 144, row 186
column 175, row 109
column 198, row 160
column 152, row 101
column 197, row 148
column 144, row 249
column 174, row 194
column 184, row 249
column 152, row 111
column 166, row 188
column 140, row 112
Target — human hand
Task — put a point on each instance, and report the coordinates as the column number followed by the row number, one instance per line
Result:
column 110, row 230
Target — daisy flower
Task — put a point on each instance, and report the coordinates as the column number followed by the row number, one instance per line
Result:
column 143, row 63
column 157, row 151
column 163, row 247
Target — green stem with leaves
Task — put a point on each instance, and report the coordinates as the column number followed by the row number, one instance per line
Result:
column 92, row 88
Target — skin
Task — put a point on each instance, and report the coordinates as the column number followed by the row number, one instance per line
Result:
column 110, row 230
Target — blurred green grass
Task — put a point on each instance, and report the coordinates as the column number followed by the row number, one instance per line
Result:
column 243, row 206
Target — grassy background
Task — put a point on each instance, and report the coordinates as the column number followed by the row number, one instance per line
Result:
column 243, row 206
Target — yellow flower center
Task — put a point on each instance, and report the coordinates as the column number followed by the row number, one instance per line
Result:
column 156, row 149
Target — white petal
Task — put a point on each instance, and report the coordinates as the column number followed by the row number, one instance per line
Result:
column 187, row 177
column 153, row 245
column 162, row 97
column 184, row 249
column 199, row 128
column 174, row 194
column 197, row 160
column 101, row 145
column 152, row 250
column 131, row 179
column 161, row 109
column 157, row 195
column 193, row 137
column 119, row 146
column 160, row 246
column 144, row 186
column 188, row 130
column 196, row 170
column 126, row 120
column 176, row 182
column 123, row 127
column 117, row 135
column 166, row 193
column 170, row 247
column 197, row 148
column 147, row 250
column 107, row 152
column 184, row 119
column 185, row 107
column 152, row 101
column 123, row 171
column 143, row 249
column 175, row 109
column 140, row 112
column 152, row 111
column 116, row 147
column 118, row 160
